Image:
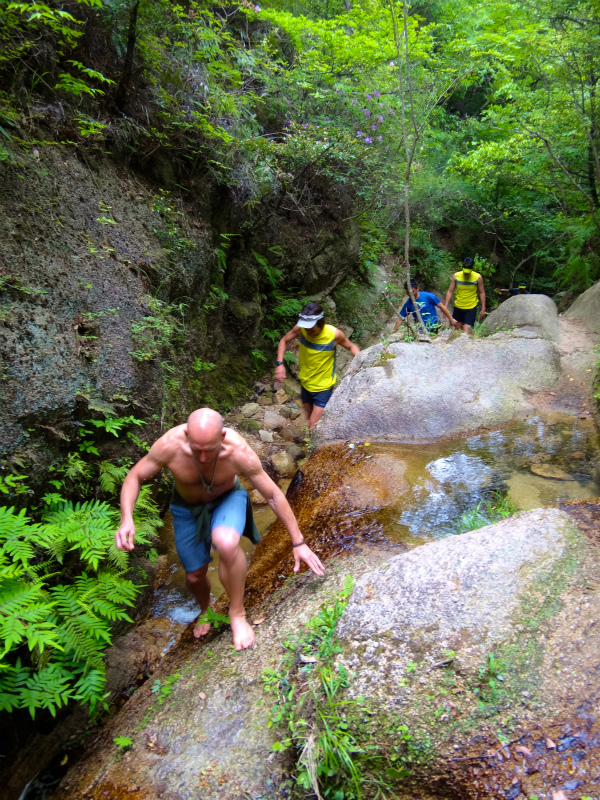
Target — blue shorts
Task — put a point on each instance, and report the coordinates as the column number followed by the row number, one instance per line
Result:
column 465, row 315
column 319, row 399
column 231, row 513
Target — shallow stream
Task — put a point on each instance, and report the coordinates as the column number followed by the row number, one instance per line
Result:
column 538, row 462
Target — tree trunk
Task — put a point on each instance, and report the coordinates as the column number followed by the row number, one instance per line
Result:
column 125, row 81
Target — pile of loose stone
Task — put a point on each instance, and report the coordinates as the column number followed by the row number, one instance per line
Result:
column 274, row 424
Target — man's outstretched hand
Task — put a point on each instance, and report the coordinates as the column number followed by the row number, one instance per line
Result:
column 124, row 536
column 280, row 373
column 304, row 553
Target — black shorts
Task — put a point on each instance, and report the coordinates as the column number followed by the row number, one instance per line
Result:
column 465, row 315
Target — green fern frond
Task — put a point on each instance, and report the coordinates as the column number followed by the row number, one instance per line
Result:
column 111, row 476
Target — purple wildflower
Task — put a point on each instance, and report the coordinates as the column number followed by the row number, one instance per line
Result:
column 305, row 124
column 387, row 148
column 380, row 105
column 369, row 97
column 257, row 8
column 380, row 138
column 379, row 118
column 368, row 140
column 391, row 63
column 354, row 101
column 367, row 113
column 377, row 94
column 373, row 127
column 359, row 134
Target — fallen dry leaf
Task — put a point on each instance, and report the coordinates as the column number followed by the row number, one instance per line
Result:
column 155, row 746
column 559, row 795
column 259, row 621
column 202, row 696
column 552, row 393
column 550, row 744
column 524, row 751
column 308, row 659
column 227, row 695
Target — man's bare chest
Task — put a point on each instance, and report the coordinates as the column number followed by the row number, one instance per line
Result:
column 196, row 479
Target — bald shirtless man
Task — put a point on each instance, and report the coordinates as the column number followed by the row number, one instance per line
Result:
column 210, row 507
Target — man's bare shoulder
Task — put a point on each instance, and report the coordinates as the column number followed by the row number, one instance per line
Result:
column 168, row 445
column 242, row 455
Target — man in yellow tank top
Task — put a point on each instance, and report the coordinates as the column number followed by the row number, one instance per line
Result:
column 317, row 359
column 468, row 285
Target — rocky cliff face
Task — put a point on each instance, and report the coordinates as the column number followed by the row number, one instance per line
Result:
column 88, row 250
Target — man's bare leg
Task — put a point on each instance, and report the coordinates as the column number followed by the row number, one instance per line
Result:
column 316, row 415
column 232, row 572
column 199, row 586
column 308, row 409
column 467, row 328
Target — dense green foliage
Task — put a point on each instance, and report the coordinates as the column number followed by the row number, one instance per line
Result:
column 499, row 101
column 63, row 583
column 62, row 586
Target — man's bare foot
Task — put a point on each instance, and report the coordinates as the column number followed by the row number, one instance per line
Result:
column 243, row 635
column 202, row 629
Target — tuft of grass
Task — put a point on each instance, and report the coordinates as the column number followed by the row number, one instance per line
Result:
column 498, row 507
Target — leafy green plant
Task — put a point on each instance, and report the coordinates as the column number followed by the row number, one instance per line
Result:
column 62, row 587
column 163, row 688
column 490, row 675
column 258, row 358
column 202, row 366
column 123, row 742
column 272, row 274
column 211, row 617
column 493, row 510
column 157, row 331
column 12, row 484
column 317, row 727
column 114, row 425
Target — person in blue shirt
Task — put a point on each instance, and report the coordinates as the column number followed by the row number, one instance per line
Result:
column 428, row 304
column 514, row 290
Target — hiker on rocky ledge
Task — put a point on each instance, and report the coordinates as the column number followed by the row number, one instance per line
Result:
column 468, row 285
column 210, row 507
column 317, row 359
column 428, row 305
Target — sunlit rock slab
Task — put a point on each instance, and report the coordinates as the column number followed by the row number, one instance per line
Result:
column 422, row 392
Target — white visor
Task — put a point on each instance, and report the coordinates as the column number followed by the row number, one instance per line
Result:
column 307, row 321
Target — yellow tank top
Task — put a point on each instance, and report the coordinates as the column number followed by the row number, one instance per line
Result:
column 317, row 359
column 466, row 290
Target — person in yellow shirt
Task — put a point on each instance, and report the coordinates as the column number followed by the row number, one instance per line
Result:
column 468, row 285
column 317, row 359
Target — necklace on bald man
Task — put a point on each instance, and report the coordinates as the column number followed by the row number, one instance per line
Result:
column 208, row 486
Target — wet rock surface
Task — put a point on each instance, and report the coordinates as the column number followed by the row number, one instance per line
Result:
column 473, row 383
column 531, row 312
column 418, row 631
column 207, row 736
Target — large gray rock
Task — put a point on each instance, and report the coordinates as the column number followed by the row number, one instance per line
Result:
column 587, row 308
column 418, row 633
column 415, row 391
column 465, row 589
column 531, row 312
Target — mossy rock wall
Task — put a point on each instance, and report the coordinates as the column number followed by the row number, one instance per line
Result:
column 87, row 242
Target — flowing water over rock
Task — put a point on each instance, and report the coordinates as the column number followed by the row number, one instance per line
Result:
column 412, row 494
